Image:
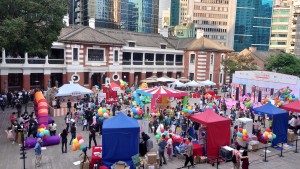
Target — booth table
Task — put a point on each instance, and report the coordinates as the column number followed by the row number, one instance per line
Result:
column 197, row 150
column 96, row 158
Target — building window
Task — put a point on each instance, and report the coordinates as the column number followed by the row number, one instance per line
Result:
column 75, row 54
column 116, row 56
column 96, row 55
column 86, row 78
column 131, row 44
column 192, row 58
column 222, row 58
column 221, row 78
column 210, row 77
column 163, row 46
column 191, row 76
column 212, row 59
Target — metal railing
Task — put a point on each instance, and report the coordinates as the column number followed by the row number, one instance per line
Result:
column 149, row 62
column 126, row 62
column 15, row 60
column 159, row 62
column 36, row 61
column 179, row 63
column 135, row 62
column 56, row 61
column 169, row 62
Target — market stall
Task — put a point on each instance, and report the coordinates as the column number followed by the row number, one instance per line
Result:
column 73, row 89
column 280, row 121
column 293, row 106
column 120, row 140
column 159, row 93
column 218, row 130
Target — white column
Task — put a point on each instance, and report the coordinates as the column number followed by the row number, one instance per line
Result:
column 131, row 60
column 26, row 58
column 46, row 60
column 165, row 59
column 3, row 56
column 154, row 60
column 144, row 58
column 174, row 60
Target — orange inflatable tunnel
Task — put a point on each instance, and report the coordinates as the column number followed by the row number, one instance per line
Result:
column 41, row 108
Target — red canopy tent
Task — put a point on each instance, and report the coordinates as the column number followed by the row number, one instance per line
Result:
column 218, row 130
column 160, row 92
column 293, row 106
column 111, row 92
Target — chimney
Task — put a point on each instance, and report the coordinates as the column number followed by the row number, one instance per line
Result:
column 252, row 49
column 199, row 33
column 92, row 23
column 66, row 20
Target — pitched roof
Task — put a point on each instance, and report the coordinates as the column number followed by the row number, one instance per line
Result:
column 265, row 55
column 140, row 39
column 88, row 35
column 201, row 44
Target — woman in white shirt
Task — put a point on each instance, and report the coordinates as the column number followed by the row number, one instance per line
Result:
column 52, row 128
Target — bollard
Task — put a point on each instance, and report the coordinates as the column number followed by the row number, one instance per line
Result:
column 265, row 160
column 296, row 151
column 281, row 150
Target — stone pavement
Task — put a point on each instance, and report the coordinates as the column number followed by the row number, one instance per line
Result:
column 54, row 159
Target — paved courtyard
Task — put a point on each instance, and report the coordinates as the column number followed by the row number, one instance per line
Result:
column 54, row 159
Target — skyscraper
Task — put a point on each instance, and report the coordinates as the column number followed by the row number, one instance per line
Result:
column 131, row 15
column 253, row 23
column 174, row 14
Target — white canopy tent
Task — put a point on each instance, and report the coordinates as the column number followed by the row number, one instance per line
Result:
column 207, row 83
column 165, row 79
column 73, row 90
column 177, row 83
column 193, row 84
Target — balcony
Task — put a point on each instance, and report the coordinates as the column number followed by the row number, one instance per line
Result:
column 159, row 62
column 56, row 61
column 169, row 63
column 179, row 63
column 126, row 62
column 32, row 61
column 149, row 62
column 137, row 62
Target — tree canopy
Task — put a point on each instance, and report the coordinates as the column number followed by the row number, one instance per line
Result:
column 30, row 25
column 284, row 63
column 236, row 62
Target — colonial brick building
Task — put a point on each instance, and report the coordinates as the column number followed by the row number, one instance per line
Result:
column 96, row 54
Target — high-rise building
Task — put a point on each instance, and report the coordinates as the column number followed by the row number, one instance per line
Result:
column 282, row 36
column 216, row 18
column 183, row 13
column 131, row 15
column 174, row 14
column 253, row 23
column 296, row 27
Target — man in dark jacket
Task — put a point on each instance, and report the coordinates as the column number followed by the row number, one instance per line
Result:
column 92, row 130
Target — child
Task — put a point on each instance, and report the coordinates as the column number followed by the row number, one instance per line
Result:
column 10, row 135
column 85, row 124
column 245, row 160
column 169, row 151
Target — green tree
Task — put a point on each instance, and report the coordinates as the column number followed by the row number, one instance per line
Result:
column 235, row 62
column 284, row 63
column 30, row 25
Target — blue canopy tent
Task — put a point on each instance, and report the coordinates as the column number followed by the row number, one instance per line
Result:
column 120, row 140
column 280, row 121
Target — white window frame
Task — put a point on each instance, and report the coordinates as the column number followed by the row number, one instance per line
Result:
column 87, row 55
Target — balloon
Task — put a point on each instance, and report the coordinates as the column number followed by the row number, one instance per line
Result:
column 136, row 116
column 162, row 130
column 74, row 148
column 77, row 145
column 244, row 131
column 79, row 137
column 274, row 136
column 81, row 141
column 240, row 130
column 134, row 111
column 41, row 134
column 42, row 126
column 190, row 111
column 165, row 133
column 157, row 137
column 103, row 110
column 75, row 141
column 268, row 130
column 46, row 132
column 269, row 136
column 82, row 147
column 105, row 115
column 158, row 114
column 42, row 130
column 244, row 138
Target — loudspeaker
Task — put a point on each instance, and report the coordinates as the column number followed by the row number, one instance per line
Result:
column 259, row 96
column 237, row 93
column 244, row 90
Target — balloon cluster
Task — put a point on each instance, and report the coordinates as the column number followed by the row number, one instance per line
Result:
column 42, row 132
column 207, row 96
column 248, row 104
column 159, row 134
column 286, row 95
column 155, row 112
column 103, row 113
column 268, row 135
column 123, row 84
column 278, row 102
column 266, row 100
column 137, row 111
column 95, row 88
column 107, row 84
column 242, row 134
column 143, row 86
column 78, row 143
column 212, row 105
column 163, row 100
column 54, row 90
column 187, row 111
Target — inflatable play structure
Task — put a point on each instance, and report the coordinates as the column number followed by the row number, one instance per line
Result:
column 41, row 113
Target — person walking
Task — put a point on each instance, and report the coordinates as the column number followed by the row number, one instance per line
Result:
column 236, row 158
column 52, row 128
column 64, row 140
column 92, row 130
column 38, row 152
column 68, row 120
column 189, row 153
column 245, row 160
column 161, row 150
column 69, row 105
column 73, row 132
